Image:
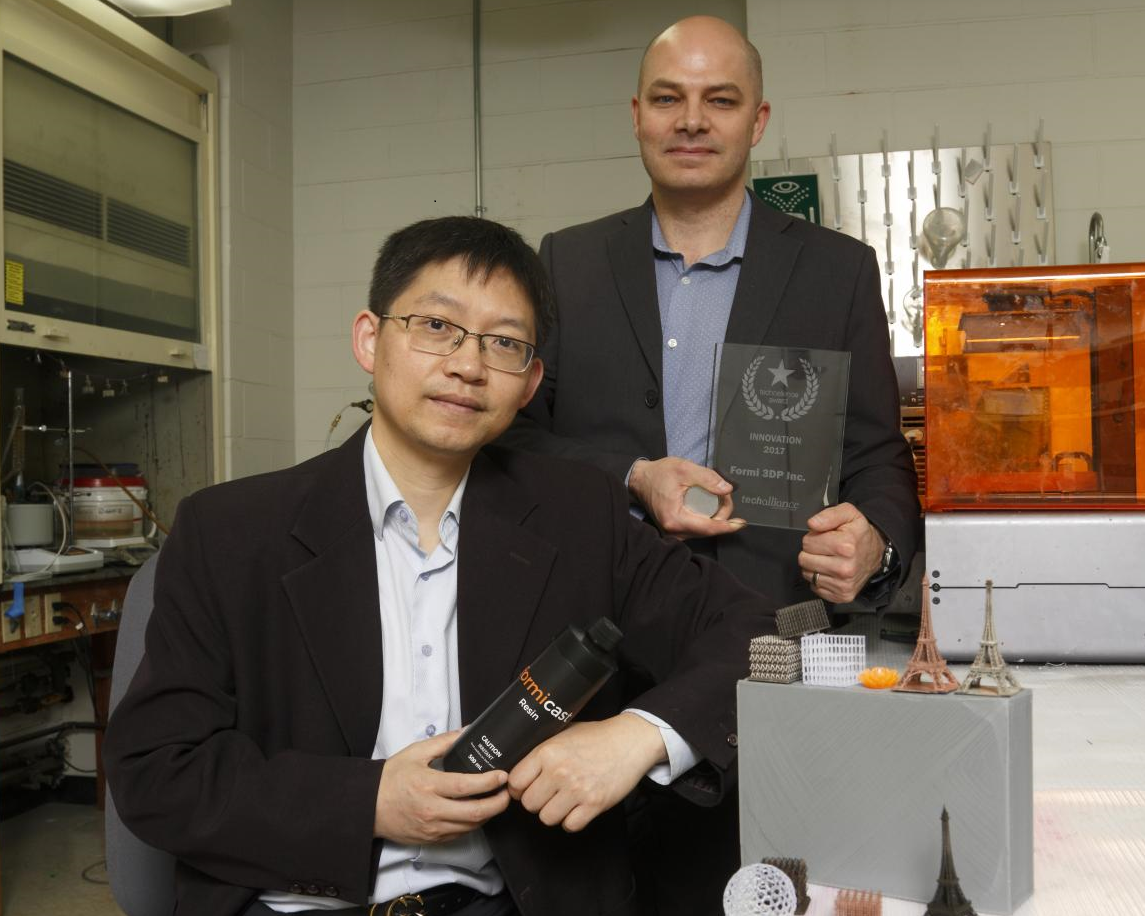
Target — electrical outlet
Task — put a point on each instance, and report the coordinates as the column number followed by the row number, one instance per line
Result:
column 50, row 626
column 33, row 616
column 10, row 627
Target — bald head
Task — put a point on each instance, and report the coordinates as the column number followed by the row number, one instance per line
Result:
column 700, row 35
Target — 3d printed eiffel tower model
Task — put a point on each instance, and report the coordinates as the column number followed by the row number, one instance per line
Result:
column 927, row 661
column 948, row 898
column 988, row 663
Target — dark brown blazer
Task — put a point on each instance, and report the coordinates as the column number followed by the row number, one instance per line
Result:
column 800, row 285
column 243, row 744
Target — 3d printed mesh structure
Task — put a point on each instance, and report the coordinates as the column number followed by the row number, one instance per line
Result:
column 796, row 870
column 759, row 890
column 800, row 619
column 773, row 659
column 859, row 903
column 833, row 661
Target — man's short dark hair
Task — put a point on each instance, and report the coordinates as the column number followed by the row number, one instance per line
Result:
column 486, row 248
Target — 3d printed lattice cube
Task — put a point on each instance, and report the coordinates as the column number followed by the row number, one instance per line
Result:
column 800, row 619
column 773, row 659
column 833, row 661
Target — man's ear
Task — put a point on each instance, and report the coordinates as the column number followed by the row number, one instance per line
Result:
column 364, row 338
column 762, row 113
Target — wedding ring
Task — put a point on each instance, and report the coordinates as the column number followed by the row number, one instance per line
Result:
column 814, row 579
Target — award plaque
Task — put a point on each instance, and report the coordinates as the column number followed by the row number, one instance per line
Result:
column 777, row 430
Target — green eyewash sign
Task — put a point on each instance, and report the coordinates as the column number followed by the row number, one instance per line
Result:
column 794, row 194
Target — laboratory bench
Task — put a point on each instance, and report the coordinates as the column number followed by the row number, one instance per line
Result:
column 90, row 604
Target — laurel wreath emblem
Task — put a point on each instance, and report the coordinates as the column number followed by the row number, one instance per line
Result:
column 795, row 411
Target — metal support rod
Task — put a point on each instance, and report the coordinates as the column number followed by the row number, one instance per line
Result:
column 478, row 202
column 71, row 463
column 48, row 732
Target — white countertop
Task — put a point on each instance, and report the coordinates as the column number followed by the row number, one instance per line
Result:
column 1089, row 795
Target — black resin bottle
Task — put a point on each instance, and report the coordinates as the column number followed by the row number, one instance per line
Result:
column 543, row 699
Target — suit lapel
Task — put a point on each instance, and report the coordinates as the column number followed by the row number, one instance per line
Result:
column 502, row 571
column 769, row 258
column 633, row 268
column 335, row 595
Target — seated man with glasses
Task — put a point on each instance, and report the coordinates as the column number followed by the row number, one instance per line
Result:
column 321, row 633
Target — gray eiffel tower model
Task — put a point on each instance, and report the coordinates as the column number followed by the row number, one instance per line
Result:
column 948, row 898
column 988, row 663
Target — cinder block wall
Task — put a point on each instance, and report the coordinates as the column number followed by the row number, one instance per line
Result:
column 383, row 135
column 383, row 132
column 905, row 65
column 249, row 46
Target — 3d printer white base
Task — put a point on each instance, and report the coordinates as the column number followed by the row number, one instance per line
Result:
column 32, row 560
column 1068, row 586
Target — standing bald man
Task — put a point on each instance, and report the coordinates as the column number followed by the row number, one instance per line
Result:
column 643, row 297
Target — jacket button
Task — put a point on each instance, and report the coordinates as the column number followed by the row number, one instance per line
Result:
column 314, row 890
column 651, row 398
column 330, row 891
column 733, row 739
column 296, row 889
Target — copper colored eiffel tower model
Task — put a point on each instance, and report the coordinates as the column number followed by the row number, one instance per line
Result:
column 988, row 663
column 927, row 661
column 948, row 898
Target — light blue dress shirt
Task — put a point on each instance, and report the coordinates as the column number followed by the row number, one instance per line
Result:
column 695, row 302
column 421, row 694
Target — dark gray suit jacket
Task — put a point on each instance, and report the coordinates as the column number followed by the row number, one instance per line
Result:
column 800, row 286
column 243, row 744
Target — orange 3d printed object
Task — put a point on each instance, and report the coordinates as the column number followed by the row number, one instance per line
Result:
column 878, row 678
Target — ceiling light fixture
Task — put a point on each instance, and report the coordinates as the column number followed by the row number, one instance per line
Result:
column 145, row 8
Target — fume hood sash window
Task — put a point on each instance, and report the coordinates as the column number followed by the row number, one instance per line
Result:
column 100, row 211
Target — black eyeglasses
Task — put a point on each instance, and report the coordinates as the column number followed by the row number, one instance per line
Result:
column 428, row 334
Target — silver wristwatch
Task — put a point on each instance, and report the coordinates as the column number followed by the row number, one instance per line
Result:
column 890, row 558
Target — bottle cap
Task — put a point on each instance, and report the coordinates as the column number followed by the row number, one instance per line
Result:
column 605, row 634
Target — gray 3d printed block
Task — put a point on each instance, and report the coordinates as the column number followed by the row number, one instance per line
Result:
column 852, row 781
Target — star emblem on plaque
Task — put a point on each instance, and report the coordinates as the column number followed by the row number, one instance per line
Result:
column 777, row 430
column 779, row 376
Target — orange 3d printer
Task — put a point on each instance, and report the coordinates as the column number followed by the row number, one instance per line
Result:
column 1035, row 432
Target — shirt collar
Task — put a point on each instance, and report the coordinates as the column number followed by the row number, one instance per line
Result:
column 733, row 250
column 386, row 502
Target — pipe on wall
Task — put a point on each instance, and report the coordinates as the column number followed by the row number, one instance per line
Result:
column 478, row 202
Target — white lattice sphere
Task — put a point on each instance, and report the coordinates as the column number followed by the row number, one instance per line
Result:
column 759, row 890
